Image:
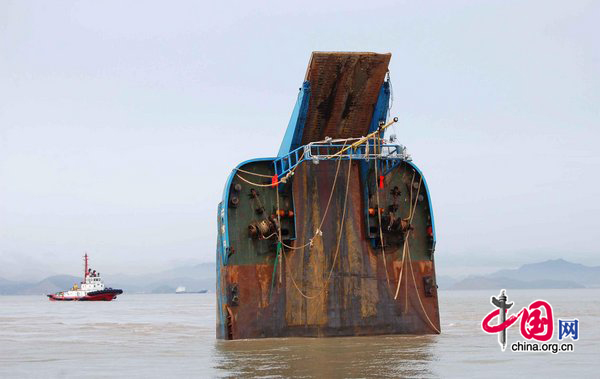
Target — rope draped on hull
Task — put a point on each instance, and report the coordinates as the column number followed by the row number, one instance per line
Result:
column 308, row 248
column 331, row 226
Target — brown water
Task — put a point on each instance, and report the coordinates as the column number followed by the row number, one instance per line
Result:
column 173, row 335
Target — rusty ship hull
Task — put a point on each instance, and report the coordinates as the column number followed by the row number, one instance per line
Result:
column 335, row 236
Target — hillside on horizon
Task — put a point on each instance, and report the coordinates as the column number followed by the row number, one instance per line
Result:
column 195, row 278
column 553, row 273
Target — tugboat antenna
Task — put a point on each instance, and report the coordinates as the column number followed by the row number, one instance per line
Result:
column 85, row 273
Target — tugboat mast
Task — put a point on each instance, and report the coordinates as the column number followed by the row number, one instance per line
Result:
column 85, row 273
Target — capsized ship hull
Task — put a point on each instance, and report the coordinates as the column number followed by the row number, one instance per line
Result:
column 327, row 240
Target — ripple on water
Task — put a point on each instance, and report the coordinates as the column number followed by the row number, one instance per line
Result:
column 169, row 335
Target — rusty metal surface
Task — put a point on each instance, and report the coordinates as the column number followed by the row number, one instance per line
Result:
column 344, row 91
column 341, row 285
column 255, row 317
column 357, row 300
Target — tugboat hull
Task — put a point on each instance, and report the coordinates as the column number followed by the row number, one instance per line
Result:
column 92, row 288
column 104, row 295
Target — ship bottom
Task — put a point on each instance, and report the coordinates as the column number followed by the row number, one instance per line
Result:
column 343, row 268
column 353, row 305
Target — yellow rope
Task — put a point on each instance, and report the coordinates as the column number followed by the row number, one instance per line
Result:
column 254, row 173
column 256, row 184
column 413, row 208
column 419, row 296
column 291, row 172
column 317, row 232
column 379, row 216
column 278, row 232
column 405, row 246
column 402, row 264
column 411, row 189
column 406, row 286
column 298, row 247
column 337, row 249
column 406, row 252
column 363, row 139
column 283, row 180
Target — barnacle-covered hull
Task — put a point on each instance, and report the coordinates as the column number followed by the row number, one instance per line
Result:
column 324, row 240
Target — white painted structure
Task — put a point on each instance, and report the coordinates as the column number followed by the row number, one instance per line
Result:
column 90, row 284
column 90, row 289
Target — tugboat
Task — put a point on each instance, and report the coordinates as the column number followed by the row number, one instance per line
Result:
column 92, row 288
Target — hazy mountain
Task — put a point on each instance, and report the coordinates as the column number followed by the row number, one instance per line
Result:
column 486, row 282
column 51, row 284
column 549, row 274
column 194, row 278
column 556, row 273
column 9, row 287
column 163, row 289
column 556, row 269
column 445, row 282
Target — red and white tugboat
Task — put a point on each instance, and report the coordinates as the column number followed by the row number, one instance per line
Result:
column 91, row 289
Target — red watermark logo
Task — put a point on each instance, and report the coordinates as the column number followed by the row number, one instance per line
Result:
column 536, row 323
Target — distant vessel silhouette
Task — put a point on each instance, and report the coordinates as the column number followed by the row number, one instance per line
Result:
column 182, row 290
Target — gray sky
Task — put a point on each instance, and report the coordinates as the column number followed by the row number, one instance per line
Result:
column 119, row 122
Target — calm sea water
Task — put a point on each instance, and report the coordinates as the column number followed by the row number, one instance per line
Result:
column 173, row 336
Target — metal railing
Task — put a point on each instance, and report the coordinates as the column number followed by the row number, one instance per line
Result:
column 389, row 156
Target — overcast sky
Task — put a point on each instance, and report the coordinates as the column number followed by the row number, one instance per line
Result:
column 120, row 121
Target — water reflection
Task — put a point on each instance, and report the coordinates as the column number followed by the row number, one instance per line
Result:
column 348, row 357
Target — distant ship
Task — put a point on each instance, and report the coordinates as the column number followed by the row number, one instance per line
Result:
column 182, row 290
column 90, row 289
